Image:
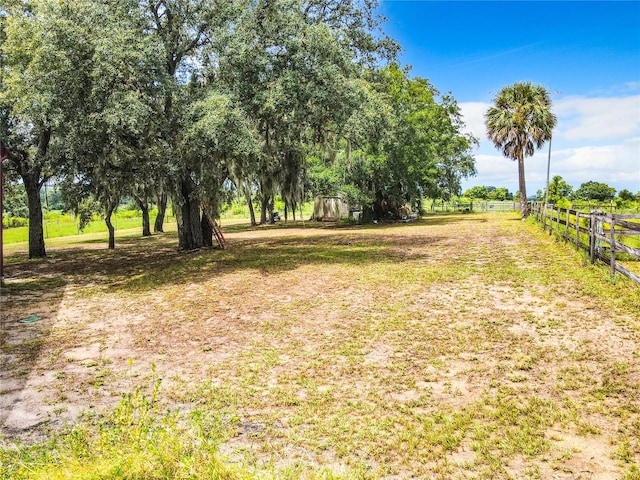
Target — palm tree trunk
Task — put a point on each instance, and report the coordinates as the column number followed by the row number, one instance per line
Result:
column 524, row 208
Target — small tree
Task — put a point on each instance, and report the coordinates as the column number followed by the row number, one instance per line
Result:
column 600, row 192
column 559, row 189
column 477, row 192
column 500, row 194
column 626, row 195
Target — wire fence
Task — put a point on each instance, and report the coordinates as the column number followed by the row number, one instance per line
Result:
column 473, row 206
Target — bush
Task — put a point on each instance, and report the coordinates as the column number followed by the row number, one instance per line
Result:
column 129, row 214
column 14, row 222
column 238, row 209
column 54, row 215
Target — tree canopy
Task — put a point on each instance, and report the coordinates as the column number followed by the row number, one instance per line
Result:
column 195, row 99
column 489, row 193
column 559, row 189
column 595, row 191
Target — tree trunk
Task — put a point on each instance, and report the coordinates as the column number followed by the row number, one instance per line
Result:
column 524, row 208
column 264, row 205
column 146, row 224
column 270, row 209
column 252, row 213
column 32, row 183
column 36, row 231
column 207, row 231
column 144, row 206
column 158, row 225
column 107, row 219
column 189, row 228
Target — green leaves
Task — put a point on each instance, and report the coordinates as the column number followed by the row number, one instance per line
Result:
column 219, row 129
column 201, row 96
column 415, row 146
column 521, row 119
column 594, row 191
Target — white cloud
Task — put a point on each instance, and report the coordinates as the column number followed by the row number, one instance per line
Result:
column 597, row 138
column 617, row 165
column 614, row 164
column 592, row 119
column 495, row 170
column 473, row 113
column 579, row 118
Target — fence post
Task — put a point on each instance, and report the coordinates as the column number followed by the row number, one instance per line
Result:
column 558, row 221
column 541, row 212
column 612, row 246
column 592, row 237
column 577, row 230
column 547, row 214
column 566, row 230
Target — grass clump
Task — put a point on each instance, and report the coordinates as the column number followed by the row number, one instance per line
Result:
column 137, row 440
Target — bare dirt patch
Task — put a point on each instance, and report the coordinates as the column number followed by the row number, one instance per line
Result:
column 469, row 346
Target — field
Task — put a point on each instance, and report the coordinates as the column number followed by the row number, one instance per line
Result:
column 58, row 224
column 459, row 346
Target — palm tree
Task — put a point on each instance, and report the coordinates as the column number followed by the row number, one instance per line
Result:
column 520, row 122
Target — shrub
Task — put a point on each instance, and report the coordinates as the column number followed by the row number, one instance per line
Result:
column 14, row 222
column 564, row 202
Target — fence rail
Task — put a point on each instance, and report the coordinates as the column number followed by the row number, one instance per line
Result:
column 602, row 234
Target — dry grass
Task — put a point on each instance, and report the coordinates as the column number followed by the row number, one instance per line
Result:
column 460, row 346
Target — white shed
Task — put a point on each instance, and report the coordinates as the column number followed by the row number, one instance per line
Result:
column 329, row 209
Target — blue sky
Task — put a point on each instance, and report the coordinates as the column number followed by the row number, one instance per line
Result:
column 586, row 53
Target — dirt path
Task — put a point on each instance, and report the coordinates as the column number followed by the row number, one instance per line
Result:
column 469, row 346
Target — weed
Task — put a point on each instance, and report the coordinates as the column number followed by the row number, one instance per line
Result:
column 137, row 440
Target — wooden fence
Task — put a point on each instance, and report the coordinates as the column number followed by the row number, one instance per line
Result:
column 611, row 238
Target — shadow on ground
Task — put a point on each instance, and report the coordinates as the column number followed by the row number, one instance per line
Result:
column 141, row 264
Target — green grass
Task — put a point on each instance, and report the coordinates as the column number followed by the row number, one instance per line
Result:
column 137, row 440
column 56, row 224
column 59, row 225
